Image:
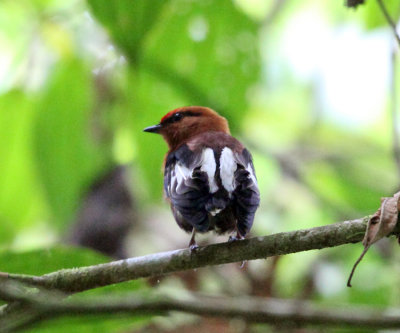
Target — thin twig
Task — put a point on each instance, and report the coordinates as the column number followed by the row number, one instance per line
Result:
column 393, row 107
column 356, row 264
column 393, row 112
column 276, row 9
column 389, row 20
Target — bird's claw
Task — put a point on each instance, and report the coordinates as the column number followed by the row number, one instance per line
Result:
column 235, row 238
column 232, row 239
column 192, row 244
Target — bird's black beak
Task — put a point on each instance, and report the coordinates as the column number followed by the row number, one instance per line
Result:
column 153, row 129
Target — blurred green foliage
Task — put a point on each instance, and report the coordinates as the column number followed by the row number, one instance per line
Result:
column 79, row 81
column 128, row 25
column 43, row 261
column 62, row 142
column 370, row 13
column 17, row 175
column 40, row 262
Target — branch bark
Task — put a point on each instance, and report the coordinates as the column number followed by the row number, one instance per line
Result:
column 84, row 278
column 48, row 305
column 389, row 20
column 251, row 309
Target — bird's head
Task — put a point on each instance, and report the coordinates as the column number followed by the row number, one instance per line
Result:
column 179, row 125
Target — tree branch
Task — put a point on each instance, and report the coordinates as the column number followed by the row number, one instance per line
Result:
column 389, row 20
column 84, row 278
column 48, row 305
column 393, row 113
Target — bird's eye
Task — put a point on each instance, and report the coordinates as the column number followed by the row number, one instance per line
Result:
column 177, row 116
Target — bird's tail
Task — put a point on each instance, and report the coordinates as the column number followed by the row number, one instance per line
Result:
column 215, row 205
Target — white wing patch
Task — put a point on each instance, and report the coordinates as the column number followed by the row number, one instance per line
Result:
column 251, row 174
column 228, row 166
column 209, row 166
column 215, row 211
column 180, row 174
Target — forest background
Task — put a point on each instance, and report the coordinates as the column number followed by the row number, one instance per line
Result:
column 308, row 86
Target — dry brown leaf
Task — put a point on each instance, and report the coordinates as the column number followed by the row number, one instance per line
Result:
column 381, row 224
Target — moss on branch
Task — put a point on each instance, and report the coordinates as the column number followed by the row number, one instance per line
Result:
column 84, row 278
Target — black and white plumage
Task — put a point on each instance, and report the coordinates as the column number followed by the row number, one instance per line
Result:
column 209, row 176
column 212, row 188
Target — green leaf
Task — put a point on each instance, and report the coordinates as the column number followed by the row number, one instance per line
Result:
column 39, row 262
column 208, row 51
column 128, row 21
column 372, row 14
column 20, row 200
column 67, row 157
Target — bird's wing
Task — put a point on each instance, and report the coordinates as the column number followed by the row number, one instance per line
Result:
column 187, row 187
column 246, row 193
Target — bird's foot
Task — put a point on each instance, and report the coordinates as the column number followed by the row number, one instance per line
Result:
column 192, row 244
column 232, row 239
column 193, row 247
column 243, row 264
column 235, row 238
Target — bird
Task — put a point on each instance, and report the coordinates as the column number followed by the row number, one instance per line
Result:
column 209, row 176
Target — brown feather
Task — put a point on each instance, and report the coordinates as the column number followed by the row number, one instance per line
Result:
column 215, row 140
column 180, row 132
